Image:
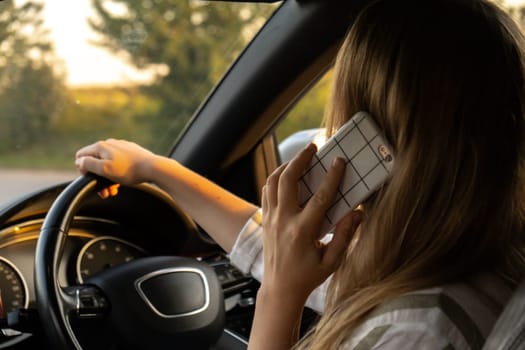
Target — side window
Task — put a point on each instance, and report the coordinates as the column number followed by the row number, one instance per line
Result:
column 303, row 124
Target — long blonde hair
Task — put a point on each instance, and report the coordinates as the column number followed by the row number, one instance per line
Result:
column 444, row 79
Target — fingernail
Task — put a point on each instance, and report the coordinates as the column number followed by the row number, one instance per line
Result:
column 311, row 147
column 77, row 162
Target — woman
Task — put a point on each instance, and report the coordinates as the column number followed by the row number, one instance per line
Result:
column 440, row 246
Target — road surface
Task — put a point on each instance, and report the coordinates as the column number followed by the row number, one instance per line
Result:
column 15, row 183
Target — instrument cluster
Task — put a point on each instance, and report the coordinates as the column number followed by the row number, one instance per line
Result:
column 85, row 253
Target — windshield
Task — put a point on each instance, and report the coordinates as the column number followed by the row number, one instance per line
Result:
column 74, row 72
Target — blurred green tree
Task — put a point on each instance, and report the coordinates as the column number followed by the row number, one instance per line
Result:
column 27, row 73
column 186, row 45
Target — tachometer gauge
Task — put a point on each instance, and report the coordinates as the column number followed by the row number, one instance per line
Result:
column 104, row 252
column 13, row 288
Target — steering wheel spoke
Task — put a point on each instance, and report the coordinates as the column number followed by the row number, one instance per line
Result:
column 84, row 302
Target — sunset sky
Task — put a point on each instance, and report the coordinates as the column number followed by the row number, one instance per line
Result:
column 86, row 64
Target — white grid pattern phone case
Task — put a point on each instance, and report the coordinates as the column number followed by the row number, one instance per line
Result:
column 369, row 161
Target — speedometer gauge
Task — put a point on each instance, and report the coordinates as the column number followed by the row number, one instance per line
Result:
column 13, row 287
column 104, row 252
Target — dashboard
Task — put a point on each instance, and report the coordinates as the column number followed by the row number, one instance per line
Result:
column 92, row 246
column 141, row 221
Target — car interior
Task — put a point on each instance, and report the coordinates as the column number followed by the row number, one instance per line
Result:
column 134, row 270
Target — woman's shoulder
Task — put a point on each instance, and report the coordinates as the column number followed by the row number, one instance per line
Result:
column 455, row 316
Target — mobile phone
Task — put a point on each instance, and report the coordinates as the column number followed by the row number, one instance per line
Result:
column 369, row 161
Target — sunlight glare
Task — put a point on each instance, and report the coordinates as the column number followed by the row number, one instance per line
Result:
column 86, row 64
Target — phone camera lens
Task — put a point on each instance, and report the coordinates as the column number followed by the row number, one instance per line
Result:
column 385, row 153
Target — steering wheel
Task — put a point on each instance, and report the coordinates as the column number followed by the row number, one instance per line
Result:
column 153, row 302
